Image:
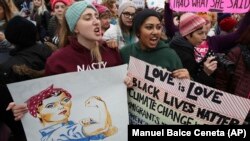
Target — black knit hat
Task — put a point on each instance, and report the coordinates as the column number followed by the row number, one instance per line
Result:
column 141, row 16
column 21, row 32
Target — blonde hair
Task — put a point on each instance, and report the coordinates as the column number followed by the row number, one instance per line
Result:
column 211, row 16
column 109, row 5
column 95, row 53
column 41, row 9
column 8, row 11
column 12, row 6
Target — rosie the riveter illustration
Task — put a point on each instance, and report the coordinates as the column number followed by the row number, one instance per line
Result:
column 52, row 106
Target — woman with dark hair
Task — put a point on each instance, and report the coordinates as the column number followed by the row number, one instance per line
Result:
column 150, row 48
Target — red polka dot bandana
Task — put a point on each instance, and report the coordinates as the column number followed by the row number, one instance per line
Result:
column 37, row 99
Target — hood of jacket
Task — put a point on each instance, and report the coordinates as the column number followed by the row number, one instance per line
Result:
column 161, row 44
column 178, row 40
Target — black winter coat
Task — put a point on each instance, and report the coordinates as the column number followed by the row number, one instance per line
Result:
column 34, row 57
column 185, row 50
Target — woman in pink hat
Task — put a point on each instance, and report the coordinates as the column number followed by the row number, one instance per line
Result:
column 192, row 34
column 104, row 16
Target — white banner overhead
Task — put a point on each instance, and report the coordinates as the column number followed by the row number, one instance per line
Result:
column 222, row 6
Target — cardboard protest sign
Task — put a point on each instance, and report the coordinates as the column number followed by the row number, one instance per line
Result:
column 158, row 98
column 222, row 6
column 75, row 106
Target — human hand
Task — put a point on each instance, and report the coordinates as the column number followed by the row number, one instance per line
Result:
column 18, row 110
column 112, row 43
column 46, row 39
column 181, row 74
column 210, row 65
column 2, row 36
column 52, row 46
column 128, row 81
column 166, row 1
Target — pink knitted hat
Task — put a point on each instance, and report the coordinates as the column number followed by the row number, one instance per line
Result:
column 190, row 22
column 53, row 2
column 100, row 8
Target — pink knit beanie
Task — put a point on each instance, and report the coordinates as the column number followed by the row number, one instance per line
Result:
column 53, row 2
column 190, row 22
column 101, row 8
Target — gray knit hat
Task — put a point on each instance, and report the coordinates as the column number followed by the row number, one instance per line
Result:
column 125, row 5
column 75, row 11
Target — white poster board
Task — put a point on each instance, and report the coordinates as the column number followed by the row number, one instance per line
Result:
column 97, row 97
column 158, row 98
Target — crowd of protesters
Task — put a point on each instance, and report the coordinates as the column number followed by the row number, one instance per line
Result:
column 37, row 38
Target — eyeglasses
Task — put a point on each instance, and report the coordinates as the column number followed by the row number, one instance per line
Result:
column 128, row 15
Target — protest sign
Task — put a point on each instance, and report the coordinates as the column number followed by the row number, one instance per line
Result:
column 222, row 6
column 155, row 3
column 158, row 98
column 139, row 3
column 75, row 106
